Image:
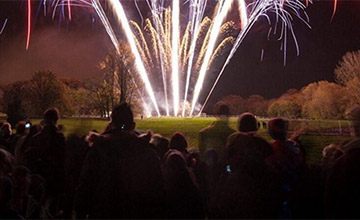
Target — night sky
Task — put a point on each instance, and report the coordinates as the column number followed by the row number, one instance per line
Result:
column 74, row 49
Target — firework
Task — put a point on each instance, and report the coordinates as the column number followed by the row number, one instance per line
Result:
column 184, row 53
column 3, row 26
column 28, row 24
column 215, row 30
column 174, row 55
column 334, row 10
column 175, row 47
column 261, row 8
column 120, row 14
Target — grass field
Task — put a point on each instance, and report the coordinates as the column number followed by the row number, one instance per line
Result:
column 314, row 141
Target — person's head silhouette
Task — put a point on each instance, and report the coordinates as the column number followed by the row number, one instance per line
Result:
column 122, row 117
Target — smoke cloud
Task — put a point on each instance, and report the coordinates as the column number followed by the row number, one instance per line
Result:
column 69, row 53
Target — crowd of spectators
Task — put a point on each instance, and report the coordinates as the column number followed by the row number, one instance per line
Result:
column 121, row 173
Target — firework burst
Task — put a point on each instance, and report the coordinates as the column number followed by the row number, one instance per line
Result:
column 181, row 41
column 183, row 50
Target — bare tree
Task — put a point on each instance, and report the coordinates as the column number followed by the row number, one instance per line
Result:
column 45, row 91
column 347, row 73
column 120, row 73
column 13, row 101
column 101, row 93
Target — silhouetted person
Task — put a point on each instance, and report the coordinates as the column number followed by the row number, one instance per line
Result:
column 6, row 163
column 146, row 136
column 183, row 197
column 23, row 143
column 45, row 156
column 18, row 136
column 36, row 197
column 121, row 175
column 22, row 181
column 5, row 136
column 287, row 156
column 215, row 136
column 248, row 126
column 6, row 195
column 342, row 194
column 264, row 125
column 203, row 175
column 160, row 144
column 179, row 142
column 288, row 160
column 330, row 154
column 249, row 189
column 211, row 159
column 76, row 149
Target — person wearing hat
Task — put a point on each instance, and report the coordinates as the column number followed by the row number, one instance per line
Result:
column 121, row 176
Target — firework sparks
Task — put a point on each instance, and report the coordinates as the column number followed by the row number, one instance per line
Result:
column 334, row 9
column 120, row 14
column 243, row 13
column 174, row 56
column 220, row 48
column 174, row 51
column 260, row 8
column 202, row 41
column 96, row 5
column 28, row 24
column 196, row 31
column 3, row 27
column 223, row 10
column 69, row 9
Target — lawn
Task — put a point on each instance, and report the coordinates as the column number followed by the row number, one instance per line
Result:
column 314, row 141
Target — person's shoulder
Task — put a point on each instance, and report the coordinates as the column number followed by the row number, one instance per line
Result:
column 120, row 139
column 239, row 137
column 230, row 130
column 35, row 138
column 352, row 145
column 207, row 129
column 260, row 139
column 233, row 136
column 60, row 133
column 238, row 134
column 142, row 144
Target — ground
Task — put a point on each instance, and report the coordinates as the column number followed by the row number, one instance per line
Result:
column 317, row 133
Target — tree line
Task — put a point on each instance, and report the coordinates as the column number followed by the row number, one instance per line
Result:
column 318, row 100
column 94, row 96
